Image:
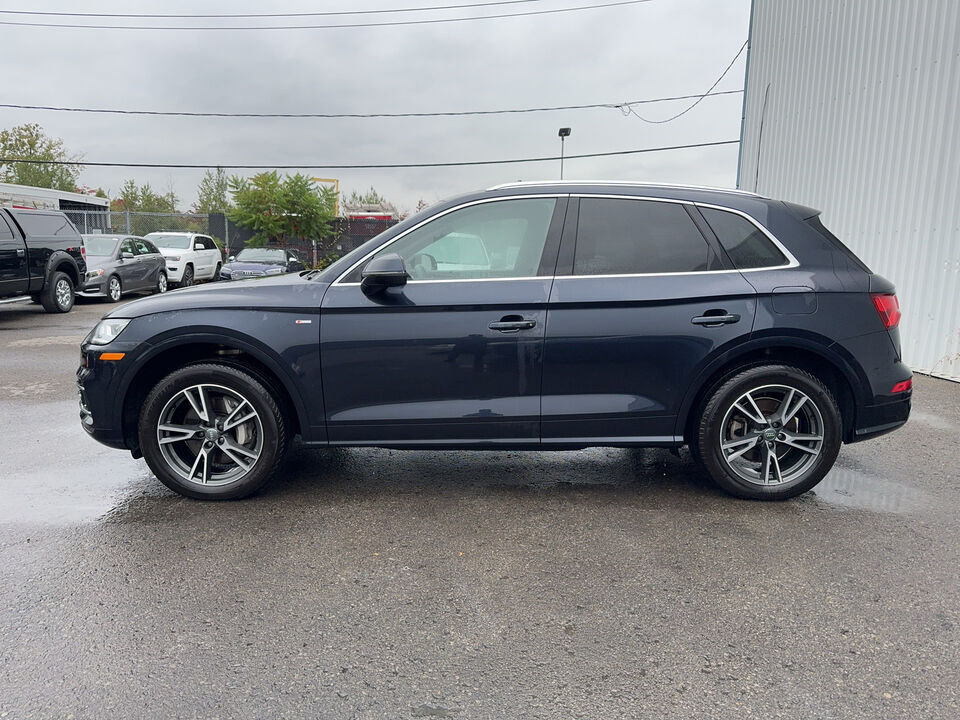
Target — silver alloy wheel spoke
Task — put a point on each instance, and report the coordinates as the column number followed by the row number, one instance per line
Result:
column 794, row 440
column 745, row 444
column 232, row 420
column 239, row 454
column 185, row 432
column 758, row 418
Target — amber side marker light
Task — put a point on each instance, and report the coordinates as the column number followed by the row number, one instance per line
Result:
column 902, row 386
column 112, row 356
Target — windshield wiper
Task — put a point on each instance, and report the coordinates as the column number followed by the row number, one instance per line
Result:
column 310, row 273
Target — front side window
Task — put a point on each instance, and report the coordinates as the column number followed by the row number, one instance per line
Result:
column 127, row 247
column 626, row 237
column 501, row 239
column 141, row 246
column 744, row 242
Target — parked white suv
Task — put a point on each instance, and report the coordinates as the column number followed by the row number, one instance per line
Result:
column 189, row 256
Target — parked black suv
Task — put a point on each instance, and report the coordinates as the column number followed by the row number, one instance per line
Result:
column 528, row 316
column 41, row 256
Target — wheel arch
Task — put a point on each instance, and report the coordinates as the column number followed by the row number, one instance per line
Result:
column 843, row 376
column 60, row 261
column 193, row 348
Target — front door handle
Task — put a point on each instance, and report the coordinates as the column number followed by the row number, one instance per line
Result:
column 715, row 320
column 512, row 323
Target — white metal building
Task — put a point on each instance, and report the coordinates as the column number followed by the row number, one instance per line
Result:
column 853, row 107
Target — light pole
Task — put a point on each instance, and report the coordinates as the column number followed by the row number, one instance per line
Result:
column 564, row 134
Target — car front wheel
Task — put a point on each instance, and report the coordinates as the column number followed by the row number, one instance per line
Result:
column 187, row 279
column 212, row 431
column 114, row 291
column 770, row 432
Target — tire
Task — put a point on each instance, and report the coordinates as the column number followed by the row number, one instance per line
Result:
column 57, row 295
column 260, row 442
column 162, row 283
column 216, row 273
column 747, row 448
column 114, row 290
column 187, row 279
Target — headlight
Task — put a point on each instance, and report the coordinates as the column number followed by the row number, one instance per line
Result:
column 107, row 331
column 273, row 271
column 172, row 258
column 94, row 274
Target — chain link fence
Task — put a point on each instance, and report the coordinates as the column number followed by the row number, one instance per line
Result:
column 348, row 233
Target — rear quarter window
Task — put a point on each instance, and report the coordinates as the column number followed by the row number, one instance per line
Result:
column 46, row 224
column 745, row 243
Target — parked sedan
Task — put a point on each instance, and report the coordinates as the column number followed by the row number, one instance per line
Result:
column 120, row 264
column 526, row 317
column 256, row 262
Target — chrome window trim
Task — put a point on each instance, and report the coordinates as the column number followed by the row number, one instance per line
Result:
column 792, row 262
column 430, row 219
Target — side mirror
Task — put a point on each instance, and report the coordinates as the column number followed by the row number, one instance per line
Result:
column 199, row 246
column 383, row 272
column 126, row 256
column 231, row 258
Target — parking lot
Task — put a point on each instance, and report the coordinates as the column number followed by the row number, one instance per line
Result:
column 380, row 584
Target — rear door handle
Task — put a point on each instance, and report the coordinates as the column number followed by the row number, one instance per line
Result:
column 713, row 320
column 512, row 323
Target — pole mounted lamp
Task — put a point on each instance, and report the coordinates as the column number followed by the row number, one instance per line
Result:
column 564, row 134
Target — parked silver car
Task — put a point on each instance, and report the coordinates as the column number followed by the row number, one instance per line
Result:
column 119, row 264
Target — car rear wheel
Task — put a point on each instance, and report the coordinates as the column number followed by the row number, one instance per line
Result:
column 771, row 432
column 212, row 431
column 162, row 282
column 58, row 295
column 114, row 291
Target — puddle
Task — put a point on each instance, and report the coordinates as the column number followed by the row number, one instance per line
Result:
column 854, row 489
column 51, row 473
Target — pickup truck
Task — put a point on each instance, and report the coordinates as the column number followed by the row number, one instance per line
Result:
column 41, row 257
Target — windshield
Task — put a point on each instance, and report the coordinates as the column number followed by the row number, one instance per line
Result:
column 176, row 242
column 101, row 246
column 263, row 255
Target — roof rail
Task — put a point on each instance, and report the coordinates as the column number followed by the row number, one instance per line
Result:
column 629, row 183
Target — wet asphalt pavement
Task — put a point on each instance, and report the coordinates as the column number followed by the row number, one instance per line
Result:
column 377, row 584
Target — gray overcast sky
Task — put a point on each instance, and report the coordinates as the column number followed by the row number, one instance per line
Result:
column 654, row 49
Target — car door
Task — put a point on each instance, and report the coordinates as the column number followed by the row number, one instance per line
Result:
column 642, row 297
column 151, row 262
column 455, row 355
column 13, row 261
column 211, row 255
column 129, row 269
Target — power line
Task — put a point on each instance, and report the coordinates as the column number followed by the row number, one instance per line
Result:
column 628, row 110
column 383, row 11
column 393, row 23
column 6, row 161
column 176, row 113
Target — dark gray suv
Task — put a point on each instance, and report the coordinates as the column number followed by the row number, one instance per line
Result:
column 527, row 316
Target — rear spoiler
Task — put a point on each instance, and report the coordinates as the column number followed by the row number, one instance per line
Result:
column 802, row 212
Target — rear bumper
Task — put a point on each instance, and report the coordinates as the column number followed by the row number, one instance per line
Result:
column 879, row 419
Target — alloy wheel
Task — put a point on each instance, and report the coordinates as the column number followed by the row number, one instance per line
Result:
column 162, row 283
column 210, row 435
column 771, row 435
column 113, row 289
column 63, row 293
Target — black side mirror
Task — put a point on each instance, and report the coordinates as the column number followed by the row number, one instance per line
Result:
column 383, row 272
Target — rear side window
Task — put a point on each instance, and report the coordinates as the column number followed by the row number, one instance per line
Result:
column 45, row 224
column 744, row 242
column 817, row 224
column 620, row 237
column 5, row 233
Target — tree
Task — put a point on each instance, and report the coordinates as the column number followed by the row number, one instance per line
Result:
column 212, row 193
column 143, row 198
column 356, row 200
column 282, row 209
column 29, row 142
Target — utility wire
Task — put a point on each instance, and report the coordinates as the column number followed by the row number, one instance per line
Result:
column 7, row 161
column 628, row 110
column 392, row 23
column 423, row 8
column 175, row 113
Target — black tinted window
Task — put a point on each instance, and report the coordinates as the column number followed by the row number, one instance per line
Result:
column 744, row 242
column 5, row 232
column 151, row 248
column 45, row 224
column 618, row 237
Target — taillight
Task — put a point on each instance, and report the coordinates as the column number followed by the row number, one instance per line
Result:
column 902, row 386
column 83, row 252
column 888, row 307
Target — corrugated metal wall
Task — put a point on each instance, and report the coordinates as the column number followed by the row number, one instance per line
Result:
column 853, row 107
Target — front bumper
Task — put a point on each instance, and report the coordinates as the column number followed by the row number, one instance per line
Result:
column 94, row 288
column 174, row 272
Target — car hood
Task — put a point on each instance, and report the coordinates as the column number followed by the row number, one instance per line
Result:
column 252, row 266
column 95, row 262
column 168, row 252
column 287, row 291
